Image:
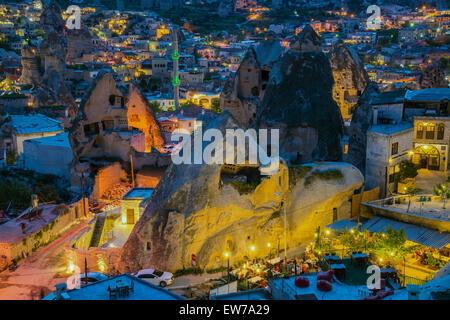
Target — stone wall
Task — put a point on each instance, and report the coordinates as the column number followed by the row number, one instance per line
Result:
column 369, row 210
column 101, row 260
column 105, row 178
column 67, row 217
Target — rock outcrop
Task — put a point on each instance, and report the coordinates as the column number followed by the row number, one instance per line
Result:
column 307, row 40
column 30, row 66
column 79, row 42
column 243, row 93
column 350, row 78
column 361, row 121
column 140, row 116
column 432, row 77
column 298, row 101
column 198, row 209
column 52, row 91
column 51, row 19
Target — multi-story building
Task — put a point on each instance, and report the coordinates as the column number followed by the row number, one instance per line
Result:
column 387, row 146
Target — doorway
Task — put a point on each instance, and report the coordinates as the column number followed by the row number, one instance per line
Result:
column 130, row 216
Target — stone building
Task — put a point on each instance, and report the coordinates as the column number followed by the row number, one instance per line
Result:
column 433, row 77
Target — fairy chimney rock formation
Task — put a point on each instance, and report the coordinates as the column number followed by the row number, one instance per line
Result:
column 307, row 40
column 350, row 78
column 243, row 93
column 298, row 101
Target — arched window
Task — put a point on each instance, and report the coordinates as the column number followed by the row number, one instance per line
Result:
column 419, row 133
column 430, row 131
column 441, row 129
column 255, row 91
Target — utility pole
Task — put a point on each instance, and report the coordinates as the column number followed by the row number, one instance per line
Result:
column 85, row 269
column 82, row 193
column 132, row 171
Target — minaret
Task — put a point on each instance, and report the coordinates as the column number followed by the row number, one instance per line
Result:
column 175, row 79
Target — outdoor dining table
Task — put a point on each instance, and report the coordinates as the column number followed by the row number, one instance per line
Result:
column 388, row 272
column 255, row 279
column 331, row 259
column 360, row 258
column 339, row 270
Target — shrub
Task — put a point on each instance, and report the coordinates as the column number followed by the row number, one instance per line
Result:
column 243, row 188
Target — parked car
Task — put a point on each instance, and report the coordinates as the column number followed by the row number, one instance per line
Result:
column 92, row 277
column 160, row 278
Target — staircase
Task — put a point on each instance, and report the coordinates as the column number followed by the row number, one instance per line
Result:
column 98, row 229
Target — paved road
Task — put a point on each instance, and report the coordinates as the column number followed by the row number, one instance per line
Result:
column 39, row 273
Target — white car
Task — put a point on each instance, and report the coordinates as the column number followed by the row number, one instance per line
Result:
column 160, row 278
column 92, row 277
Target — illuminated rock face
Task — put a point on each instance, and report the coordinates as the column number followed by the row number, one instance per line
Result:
column 350, row 78
column 30, row 67
column 102, row 127
column 140, row 116
column 195, row 211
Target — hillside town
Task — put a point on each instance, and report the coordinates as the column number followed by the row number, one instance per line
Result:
column 344, row 106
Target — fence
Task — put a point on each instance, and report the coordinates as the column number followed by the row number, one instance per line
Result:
column 404, row 280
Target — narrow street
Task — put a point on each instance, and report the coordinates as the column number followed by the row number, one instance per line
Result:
column 40, row 272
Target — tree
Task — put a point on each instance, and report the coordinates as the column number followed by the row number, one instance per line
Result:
column 215, row 105
column 407, row 170
column 391, row 242
column 156, row 108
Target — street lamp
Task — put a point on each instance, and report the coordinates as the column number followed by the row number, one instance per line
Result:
column 227, row 255
column 285, row 223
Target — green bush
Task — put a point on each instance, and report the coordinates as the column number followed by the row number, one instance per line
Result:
column 298, row 172
column 332, row 174
column 243, row 188
column 187, row 271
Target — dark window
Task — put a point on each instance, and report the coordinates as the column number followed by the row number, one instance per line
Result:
column 419, row 133
column 335, row 215
column 91, row 128
column 158, row 273
column 265, row 75
column 440, row 134
column 394, row 148
column 430, row 131
column 255, row 91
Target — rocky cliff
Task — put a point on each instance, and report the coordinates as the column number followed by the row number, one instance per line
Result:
column 350, row 78
column 205, row 210
column 52, row 91
column 361, row 121
column 299, row 102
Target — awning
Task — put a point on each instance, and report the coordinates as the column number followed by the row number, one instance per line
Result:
column 427, row 237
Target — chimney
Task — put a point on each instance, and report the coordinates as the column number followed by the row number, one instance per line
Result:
column 375, row 116
column 61, row 289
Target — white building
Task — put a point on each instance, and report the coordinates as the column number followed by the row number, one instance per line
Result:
column 387, row 146
column 49, row 155
column 19, row 128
